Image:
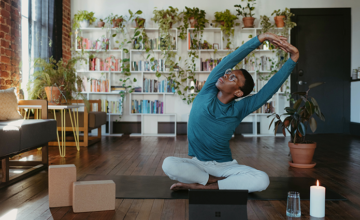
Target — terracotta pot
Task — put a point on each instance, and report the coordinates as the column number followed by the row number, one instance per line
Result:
column 302, row 153
column 138, row 20
column 222, row 23
column 248, row 22
column 172, row 17
column 100, row 24
column 193, row 22
column 53, row 95
column 117, row 22
column 279, row 21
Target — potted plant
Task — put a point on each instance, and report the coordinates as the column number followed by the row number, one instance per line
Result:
column 83, row 19
column 245, row 11
column 114, row 20
column 296, row 122
column 195, row 16
column 56, row 81
column 101, row 23
column 266, row 26
column 227, row 22
column 281, row 16
column 140, row 22
column 166, row 17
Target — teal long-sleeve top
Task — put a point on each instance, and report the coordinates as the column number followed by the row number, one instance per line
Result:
column 212, row 123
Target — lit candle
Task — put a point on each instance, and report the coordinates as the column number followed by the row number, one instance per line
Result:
column 317, row 201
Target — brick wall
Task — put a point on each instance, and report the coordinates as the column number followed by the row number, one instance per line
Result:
column 10, row 42
column 66, row 40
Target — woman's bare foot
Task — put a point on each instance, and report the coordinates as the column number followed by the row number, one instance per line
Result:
column 214, row 179
column 186, row 186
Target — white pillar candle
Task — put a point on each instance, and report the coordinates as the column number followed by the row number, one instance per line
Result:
column 317, row 201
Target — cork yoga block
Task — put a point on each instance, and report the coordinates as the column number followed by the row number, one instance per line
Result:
column 61, row 179
column 92, row 196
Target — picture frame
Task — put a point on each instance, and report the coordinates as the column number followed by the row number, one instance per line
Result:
column 216, row 46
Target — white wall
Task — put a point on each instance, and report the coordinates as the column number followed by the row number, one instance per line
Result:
column 103, row 8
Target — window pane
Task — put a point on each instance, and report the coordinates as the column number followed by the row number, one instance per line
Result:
column 25, row 8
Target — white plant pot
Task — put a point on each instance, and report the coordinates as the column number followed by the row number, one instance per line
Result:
column 84, row 23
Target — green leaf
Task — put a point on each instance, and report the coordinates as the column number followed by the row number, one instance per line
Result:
column 126, row 50
column 276, row 126
column 313, row 124
column 114, row 35
column 290, row 110
column 135, row 80
column 308, row 107
column 313, row 85
column 148, row 56
column 117, row 41
column 297, row 104
column 301, row 128
column 152, row 59
column 137, row 33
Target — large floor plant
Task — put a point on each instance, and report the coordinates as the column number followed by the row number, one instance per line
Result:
column 297, row 119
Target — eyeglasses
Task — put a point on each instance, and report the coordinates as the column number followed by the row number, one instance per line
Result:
column 231, row 76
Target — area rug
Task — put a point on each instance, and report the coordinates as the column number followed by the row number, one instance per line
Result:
column 158, row 187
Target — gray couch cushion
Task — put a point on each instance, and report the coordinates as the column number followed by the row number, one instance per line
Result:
column 33, row 133
column 9, row 140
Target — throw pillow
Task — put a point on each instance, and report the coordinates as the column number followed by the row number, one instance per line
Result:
column 8, row 105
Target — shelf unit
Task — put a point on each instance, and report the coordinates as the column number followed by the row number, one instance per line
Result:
column 145, row 118
column 83, row 70
column 242, row 35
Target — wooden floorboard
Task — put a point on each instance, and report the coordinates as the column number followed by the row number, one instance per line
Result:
column 337, row 158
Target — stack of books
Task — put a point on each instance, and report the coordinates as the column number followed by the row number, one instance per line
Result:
column 147, row 106
column 209, row 64
column 117, row 89
column 112, row 107
column 98, row 44
column 156, row 65
column 95, row 85
column 154, row 44
column 153, row 85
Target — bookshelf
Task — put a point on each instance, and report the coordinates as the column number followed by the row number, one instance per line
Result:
column 110, row 75
column 149, row 121
column 215, row 35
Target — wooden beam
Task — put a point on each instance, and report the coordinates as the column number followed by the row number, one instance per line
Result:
column 5, row 170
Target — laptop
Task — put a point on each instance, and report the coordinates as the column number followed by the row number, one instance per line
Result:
column 217, row 204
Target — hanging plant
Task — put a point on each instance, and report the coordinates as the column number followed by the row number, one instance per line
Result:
column 227, row 22
column 246, row 12
column 166, row 18
column 115, row 20
column 195, row 17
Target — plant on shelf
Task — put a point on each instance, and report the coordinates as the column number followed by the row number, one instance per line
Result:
column 296, row 122
column 245, row 11
column 101, row 23
column 166, row 18
column 56, row 81
column 283, row 19
column 195, row 17
column 265, row 23
column 115, row 20
column 227, row 22
column 83, row 19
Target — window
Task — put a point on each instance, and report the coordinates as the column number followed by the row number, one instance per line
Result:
column 25, row 45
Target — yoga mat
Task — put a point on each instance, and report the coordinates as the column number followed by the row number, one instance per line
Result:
column 158, row 187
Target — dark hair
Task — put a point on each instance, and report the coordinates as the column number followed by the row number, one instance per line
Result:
column 248, row 87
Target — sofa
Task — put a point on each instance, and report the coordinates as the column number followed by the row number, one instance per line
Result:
column 20, row 135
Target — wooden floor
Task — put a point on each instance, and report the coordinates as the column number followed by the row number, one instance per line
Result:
column 337, row 158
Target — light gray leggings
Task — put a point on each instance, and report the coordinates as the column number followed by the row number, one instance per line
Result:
column 195, row 171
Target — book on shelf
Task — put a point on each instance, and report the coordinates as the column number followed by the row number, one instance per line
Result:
column 95, row 85
column 117, row 88
column 153, row 85
column 209, row 64
column 98, row 44
column 151, row 66
column 147, row 106
column 112, row 107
